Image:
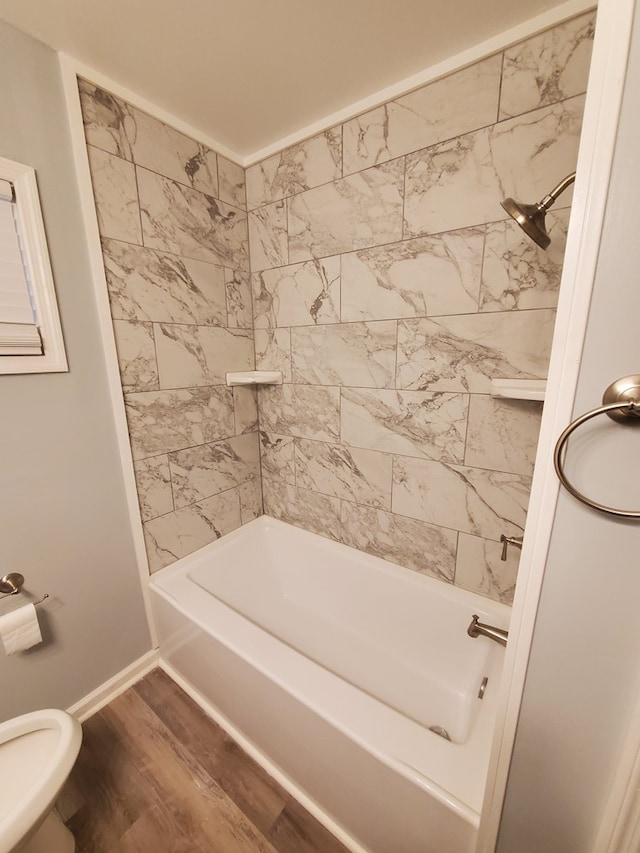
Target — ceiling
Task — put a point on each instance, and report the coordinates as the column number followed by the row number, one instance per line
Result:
column 250, row 72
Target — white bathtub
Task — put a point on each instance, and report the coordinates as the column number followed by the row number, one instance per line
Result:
column 331, row 665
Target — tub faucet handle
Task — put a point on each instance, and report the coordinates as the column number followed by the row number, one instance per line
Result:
column 509, row 540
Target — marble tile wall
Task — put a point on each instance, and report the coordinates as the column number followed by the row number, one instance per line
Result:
column 173, row 222
column 374, row 266
column 390, row 287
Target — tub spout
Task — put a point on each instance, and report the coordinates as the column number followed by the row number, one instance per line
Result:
column 479, row 629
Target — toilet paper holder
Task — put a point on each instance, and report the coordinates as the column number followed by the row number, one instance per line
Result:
column 12, row 584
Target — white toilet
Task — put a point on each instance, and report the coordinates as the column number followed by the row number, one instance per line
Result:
column 37, row 753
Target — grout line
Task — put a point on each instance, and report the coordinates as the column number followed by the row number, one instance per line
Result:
column 390, row 244
column 234, row 488
column 500, row 85
column 404, row 200
column 391, row 489
column 455, row 558
column 184, row 184
column 395, row 367
column 173, row 496
column 138, row 202
column 481, row 283
column 169, row 253
column 217, row 156
column 466, row 430
column 415, row 152
column 539, row 108
column 180, row 185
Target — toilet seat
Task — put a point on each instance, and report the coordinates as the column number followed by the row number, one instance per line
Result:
column 37, row 753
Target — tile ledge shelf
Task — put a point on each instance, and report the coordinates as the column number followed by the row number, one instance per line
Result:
column 519, row 389
column 255, row 377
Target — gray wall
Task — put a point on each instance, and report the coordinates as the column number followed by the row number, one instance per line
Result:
column 584, row 670
column 63, row 513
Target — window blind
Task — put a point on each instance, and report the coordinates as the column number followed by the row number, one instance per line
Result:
column 19, row 334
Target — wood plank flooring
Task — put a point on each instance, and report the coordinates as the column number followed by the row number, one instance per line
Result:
column 156, row 775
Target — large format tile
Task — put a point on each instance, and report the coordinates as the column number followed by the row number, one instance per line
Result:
column 358, row 354
column 106, row 120
column 231, row 183
column 179, row 219
column 112, row 124
column 309, row 510
column 116, row 196
column 160, row 148
column 136, row 355
column 458, row 103
column 201, row 355
column 416, row 278
column 239, row 303
column 352, row 213
column 480, row 569
column 148, row 285
column 273, row 351
column 460, row 183
column 245, row 409
column 533, row 152
column 172, row 536
column 503, row 434
column 411, row 423
column 547, row 68
column 472, row 500
column 209, row 469
column 413, row 544
column 465, row 353
column 181, row 360
column 277, row 457
column 451, row 185
column 363, row 476
column 298, row 295
column 226, row 351
column 518, row 274
column 268, row 239
column 250, row 500
column 162, row 421
column 153, row 481
column 308, row 164
column 304, row 411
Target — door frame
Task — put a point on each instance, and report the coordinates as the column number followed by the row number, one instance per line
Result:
column 597, row 145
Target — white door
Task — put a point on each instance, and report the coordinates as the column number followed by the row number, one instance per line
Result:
column 583, row 674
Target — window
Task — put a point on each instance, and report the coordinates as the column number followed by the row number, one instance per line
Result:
column 30, row 332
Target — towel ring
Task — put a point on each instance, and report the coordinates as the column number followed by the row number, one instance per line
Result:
column 621, row 402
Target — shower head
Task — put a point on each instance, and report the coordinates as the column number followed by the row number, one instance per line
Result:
column 530, row 217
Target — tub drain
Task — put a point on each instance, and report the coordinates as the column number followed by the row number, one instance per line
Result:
column 439, row 730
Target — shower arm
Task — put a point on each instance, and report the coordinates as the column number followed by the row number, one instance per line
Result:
column 549, row 199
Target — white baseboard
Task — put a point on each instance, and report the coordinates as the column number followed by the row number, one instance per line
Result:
column 116, row 685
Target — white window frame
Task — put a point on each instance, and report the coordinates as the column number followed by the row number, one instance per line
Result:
column 32, row 234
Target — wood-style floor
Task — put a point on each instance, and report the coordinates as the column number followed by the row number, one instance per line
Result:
column 156, row 775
